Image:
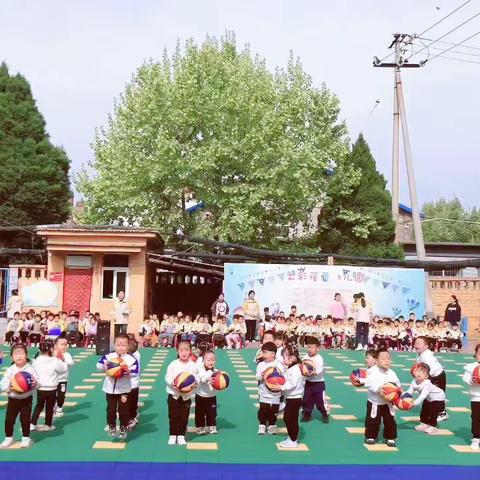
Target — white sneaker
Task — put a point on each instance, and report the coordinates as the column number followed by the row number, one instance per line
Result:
column 421, row 427
column 7, row 442
column 172, row 440
column 48, row 428
column 287, row 443
column 475, row 445
column 26, row 442
column 213, row 430
column 443, row 416
column 262, row 430
column 272, row 430
column 106, row 429
column 201, row 431
column 181, row 440
column 359, row 347
column 33, row 427
column 365, row 347
column 431, row 430
column 59, row 412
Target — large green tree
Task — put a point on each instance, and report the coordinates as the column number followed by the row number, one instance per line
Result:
column 253, row 145
column 34, row 183
column 358, row 220
column 448, row 221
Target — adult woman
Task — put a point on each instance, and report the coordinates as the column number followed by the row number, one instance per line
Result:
column 251, row 309
column 453, row 312
column 363, row 315
column 338, row 309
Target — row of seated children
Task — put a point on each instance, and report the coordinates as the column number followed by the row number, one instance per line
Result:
column 31, row 328
column 198, row 332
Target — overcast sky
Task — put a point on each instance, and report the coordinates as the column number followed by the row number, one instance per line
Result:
column 78, row 55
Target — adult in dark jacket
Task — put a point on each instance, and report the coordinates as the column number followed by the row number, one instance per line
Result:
column 453, row 312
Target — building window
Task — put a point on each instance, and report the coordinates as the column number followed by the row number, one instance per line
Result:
column 114, row 276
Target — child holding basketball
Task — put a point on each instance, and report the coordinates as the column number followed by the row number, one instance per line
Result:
column 268, row 336
column 292, row 390
column 49, row 371
column 437, row 372
column 179, row 402
column 378, row 408
column 470, row 377
column 18, row 403
column 269, row 401
column 60, row 351
column 135, row 379
column 205, row 396
column 118, row 386
column 433, row 398
column 315, row 385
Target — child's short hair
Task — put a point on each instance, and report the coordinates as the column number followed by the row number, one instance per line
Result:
column 132, row 345
column 122, row 336
column 19, row 346
column 278, row 336
column 312, row 341
column 371, row 353
column 382, row 350
column 184, row 344
column 268, row 332
column 423, row 366
column 477, row 348
column 60, row 337
column 423, row 338
column 206, row 352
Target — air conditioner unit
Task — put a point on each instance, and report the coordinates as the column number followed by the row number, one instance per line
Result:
column 79, row 261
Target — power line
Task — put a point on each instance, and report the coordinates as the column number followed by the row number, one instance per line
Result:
column 442, row 57
column 444, row 35
column 456, row 45
column 16, row 226
column 452, row 51
column 447, row 43
column 444, row 18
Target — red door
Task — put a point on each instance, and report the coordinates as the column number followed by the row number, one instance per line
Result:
column 77, row 288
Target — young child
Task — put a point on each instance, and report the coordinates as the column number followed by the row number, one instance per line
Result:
column 474, row 399
column 49, row 370
column 135, row 379
column 432, row 396
column 269, row 401
column 178, row 402
column 379, row 409
column 292, row 390
column 14, row 328
column 437, row 372
column 91, row 332
column 205, row 397
column 117, row 389
column 268, row 336
column 60, row 351
column 219, row 328
column 315, row 384
column 18, row 403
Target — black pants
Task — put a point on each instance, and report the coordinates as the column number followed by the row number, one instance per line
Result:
column 314, row 395
column 290, row 416
column 267, row 413
column 475, row 406
column 440, row 381
column 430, row 412
column 45, row 399
column 205, row 411
column 117, row 402
column 23, row 337
column 362, row 333
column 35, row 337
column 178, row 412
column 251, row 330
column 15, row 406
column 9, row 336
column 120, row 328
column 133, row 403
column 372, row 425
column 61, row 392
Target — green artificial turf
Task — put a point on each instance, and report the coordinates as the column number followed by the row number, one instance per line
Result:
column 237, row 440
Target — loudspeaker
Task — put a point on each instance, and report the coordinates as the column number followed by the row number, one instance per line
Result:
column 103, row 338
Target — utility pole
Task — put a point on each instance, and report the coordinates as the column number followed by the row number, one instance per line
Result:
column 400, row 118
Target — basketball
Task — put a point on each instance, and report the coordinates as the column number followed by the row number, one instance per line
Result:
column 273, row 376
column 476, row 375
column 412, row 370
column 404, row 402
column 185, row 382
column 307, row 367
column 356, row 375
column 390, row 392
column 115, row 367
column 22, row 382
column 220, row 380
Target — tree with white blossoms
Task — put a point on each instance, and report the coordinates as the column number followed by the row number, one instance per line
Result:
column 256, row 147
